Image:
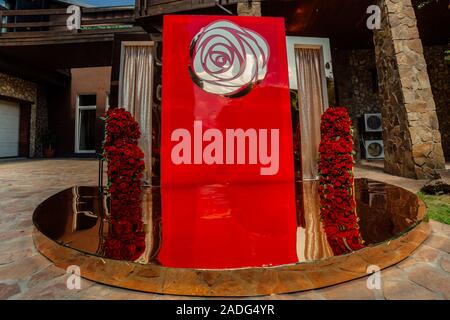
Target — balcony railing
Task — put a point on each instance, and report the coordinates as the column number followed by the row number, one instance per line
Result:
column 44, row 22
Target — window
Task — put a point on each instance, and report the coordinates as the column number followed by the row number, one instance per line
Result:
column 4, row 4
column 85, row 123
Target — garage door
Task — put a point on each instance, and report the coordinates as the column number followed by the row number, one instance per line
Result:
column 9, row 129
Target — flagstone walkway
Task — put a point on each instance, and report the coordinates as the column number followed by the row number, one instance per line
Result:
column 26, row 274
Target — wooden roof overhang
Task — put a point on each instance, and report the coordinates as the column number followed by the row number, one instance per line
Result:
column 152, row 8
column 49, row 44
column 34, row 73
column 343, row 21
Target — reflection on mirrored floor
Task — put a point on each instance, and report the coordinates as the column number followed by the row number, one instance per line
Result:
column 223, row 226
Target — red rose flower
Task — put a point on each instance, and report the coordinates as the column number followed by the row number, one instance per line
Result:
column 126, row 239
column 338, row 208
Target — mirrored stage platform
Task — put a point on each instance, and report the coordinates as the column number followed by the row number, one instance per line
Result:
column 209, row 240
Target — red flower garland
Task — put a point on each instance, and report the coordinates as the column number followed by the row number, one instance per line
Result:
column 126, row 239
column 336, row 189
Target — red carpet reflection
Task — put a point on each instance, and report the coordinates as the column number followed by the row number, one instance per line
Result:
column 222, row 227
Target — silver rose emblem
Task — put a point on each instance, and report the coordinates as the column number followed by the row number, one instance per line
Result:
column 227, row 59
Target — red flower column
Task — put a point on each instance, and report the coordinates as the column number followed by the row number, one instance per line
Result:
column 337, row 199
column 126, row 239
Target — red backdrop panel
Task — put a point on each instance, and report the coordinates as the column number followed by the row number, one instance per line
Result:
column 226, row 215
column 266, row 106
column 220, row 226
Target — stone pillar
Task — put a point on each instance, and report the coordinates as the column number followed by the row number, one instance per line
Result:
column 249, row 8
column 41, row 121
column 410, row 126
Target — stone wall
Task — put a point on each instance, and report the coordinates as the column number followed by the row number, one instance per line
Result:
column 40, row 121
column 439, row 73
column 357, row 86
column 410, row 125
column 14, row 87
column 250, row 8
column 17, row 88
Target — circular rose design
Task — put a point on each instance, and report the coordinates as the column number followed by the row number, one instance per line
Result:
column 227, row 59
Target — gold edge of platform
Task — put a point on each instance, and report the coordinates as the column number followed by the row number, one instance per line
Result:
column 237, row 282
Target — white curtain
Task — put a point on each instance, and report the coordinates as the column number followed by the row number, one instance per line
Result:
column 135, row 93
column 311, row 84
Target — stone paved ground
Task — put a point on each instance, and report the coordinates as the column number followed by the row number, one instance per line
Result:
column 25, row 274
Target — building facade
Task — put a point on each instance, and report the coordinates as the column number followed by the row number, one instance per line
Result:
column 394, row 77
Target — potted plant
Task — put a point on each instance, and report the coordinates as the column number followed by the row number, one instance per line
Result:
column 49, row 141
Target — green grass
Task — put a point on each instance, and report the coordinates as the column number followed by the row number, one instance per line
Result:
column 438, row 207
